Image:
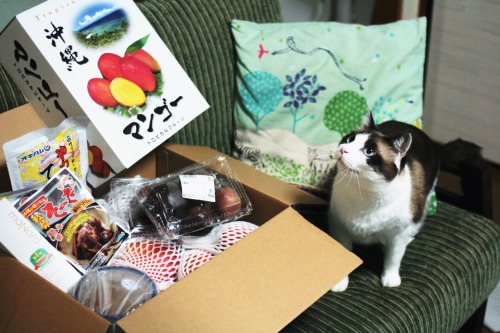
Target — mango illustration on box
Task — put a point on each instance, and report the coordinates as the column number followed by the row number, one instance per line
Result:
column 97, row 165
column 127, row 80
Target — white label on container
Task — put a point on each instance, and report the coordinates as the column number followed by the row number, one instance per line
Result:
column 198, row 187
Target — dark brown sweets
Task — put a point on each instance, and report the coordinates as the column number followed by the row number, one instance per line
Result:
column 90, row 237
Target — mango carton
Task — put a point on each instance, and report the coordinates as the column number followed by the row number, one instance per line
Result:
column 106, row 61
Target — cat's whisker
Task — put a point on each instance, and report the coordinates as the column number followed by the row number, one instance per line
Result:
column 342, row 176
column 350, row 178
column 359, row 186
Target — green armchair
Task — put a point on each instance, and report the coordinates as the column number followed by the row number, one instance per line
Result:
column 448, row 270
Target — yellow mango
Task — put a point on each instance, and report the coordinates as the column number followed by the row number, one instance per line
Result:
column 127, row 93
column 91, row 157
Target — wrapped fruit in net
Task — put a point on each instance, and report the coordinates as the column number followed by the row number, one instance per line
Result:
column 191, row 260
column 220, row 237
column 158, row 258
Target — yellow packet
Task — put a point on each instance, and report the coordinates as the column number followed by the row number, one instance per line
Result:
column 36, row 156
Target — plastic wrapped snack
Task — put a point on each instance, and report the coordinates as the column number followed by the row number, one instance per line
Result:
column 72, row 221
column 37, row 156
column 197, row 197
column 113, row 291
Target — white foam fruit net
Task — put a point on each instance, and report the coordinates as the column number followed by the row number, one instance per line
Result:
column 191, row 260
column 158, row 258
column 199, row 250
column 221, row 237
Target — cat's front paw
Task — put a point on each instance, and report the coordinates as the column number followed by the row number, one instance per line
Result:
column 342, row 285
column 391, row 279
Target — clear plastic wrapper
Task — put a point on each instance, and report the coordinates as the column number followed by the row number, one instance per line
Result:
column 125, row 204
column 36, row 157
column 114, row 291
column 197, row 197
column 20, row 196
column 72, row 221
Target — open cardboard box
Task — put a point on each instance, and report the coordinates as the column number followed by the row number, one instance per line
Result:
column 259, row 284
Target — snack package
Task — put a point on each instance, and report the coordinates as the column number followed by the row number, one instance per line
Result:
column 67, row 215
column 36, row 157
column 197, row 197
column 113, row 291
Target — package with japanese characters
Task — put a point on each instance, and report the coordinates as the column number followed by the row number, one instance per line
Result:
column 106, row 61
column 60, row 230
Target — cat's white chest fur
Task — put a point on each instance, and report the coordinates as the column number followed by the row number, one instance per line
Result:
column 371, row 212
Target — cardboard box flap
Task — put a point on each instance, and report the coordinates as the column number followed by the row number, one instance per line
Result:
column 261, row 283
column 29, row 303
column 261, row 181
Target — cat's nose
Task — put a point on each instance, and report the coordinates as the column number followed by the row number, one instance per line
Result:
column 343, row 151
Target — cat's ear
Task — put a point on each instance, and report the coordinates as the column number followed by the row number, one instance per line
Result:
column 402, row 143
column 368, row 122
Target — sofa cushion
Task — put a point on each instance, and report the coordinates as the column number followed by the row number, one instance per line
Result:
column 302, row 86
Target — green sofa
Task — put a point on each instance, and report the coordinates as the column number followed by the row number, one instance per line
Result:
column 448, row 271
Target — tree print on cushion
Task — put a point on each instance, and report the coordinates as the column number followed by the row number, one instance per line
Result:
column 261, row 94
column 345, row 111
column 300, row 90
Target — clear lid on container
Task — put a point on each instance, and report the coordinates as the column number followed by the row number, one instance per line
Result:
column 197, row 197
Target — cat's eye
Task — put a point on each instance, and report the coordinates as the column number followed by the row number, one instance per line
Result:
column 368, row 152
column 350, row 138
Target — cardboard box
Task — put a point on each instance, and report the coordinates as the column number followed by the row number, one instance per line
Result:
column 259, row 284
column 106, row 61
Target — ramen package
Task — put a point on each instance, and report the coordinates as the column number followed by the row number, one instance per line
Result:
column 37, row 156
column 67, row 215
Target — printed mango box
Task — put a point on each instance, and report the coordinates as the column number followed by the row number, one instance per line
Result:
column 105, row 60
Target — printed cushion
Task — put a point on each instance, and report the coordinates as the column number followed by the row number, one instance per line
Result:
column 303, row 86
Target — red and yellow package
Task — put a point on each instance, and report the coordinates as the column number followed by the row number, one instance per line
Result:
column 36, row 157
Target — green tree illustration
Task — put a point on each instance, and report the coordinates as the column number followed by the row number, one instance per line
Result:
column 261, row 93
column 345, row 111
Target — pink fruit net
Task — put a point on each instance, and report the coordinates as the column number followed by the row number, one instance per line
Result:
column 191, row 260
column 156, row 257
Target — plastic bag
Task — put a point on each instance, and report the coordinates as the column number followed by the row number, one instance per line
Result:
column 36, row 157
column 113, row 291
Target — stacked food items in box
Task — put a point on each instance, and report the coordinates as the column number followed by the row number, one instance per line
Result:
column 143, row 236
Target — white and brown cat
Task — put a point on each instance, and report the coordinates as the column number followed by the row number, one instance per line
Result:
column 382, row 184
